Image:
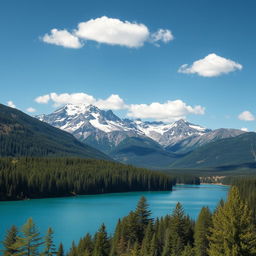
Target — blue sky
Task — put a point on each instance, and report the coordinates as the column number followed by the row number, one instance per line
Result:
column 138, row 63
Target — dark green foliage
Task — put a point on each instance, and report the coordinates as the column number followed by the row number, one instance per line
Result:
column 143, row 152
column 202, row 232
column 23, row 135
column 233, row 231
column 247, row 191
column 10, row 242
column 101, row 244
column 142, row 215
column 48, row 177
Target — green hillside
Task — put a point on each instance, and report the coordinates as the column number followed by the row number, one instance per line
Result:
column 231, row 151
column 143, row 152
column 23, row 135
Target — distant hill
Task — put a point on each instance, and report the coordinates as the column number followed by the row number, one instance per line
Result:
column 23, row 135
column 225, row 152
column 143, row 152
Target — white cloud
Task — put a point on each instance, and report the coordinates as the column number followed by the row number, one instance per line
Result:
column 11, row 104
column 113, row 31
column 43, row 99
column 31, row 110
column 168, row 111
column 62, row 38
column 73, row 98
column 246, row 116
column 210, row 66
column 113, row 102
column 244, row 129
column 110, row 31
column 164, row 35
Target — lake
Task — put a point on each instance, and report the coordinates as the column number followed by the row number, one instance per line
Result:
column 72, row 217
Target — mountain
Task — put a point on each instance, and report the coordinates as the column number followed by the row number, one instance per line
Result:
column 194, row 141
column 142, row 143
column 23, row 135
column 233, row 151
column 98, row 128
column 105, row 130
column 143, row 152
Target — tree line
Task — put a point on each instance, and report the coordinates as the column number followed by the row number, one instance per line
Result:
column 228, row 231
column 22, row 178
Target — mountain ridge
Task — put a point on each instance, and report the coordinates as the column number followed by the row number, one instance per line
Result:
column 23, row 135
column 134, row 141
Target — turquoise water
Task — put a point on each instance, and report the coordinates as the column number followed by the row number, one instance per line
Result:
column 72, row 217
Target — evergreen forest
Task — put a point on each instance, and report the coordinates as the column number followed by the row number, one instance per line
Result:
column 24, row 178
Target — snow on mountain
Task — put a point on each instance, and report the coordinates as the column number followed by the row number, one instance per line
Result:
column 104, row 130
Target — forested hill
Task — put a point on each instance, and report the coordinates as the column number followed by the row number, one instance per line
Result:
column 23, row 135
column 22, row 178
column 225, row 152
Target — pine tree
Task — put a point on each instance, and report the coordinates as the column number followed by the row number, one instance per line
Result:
column 145, row 247
column 102, row 245
column 50, row 249
column 60, row 251
column 188, row 251
column 143, row 217
column 73, row 250
column 202, row 231
column 179, row 228
column 29, row 243
column 233, row 232
column 10, row 241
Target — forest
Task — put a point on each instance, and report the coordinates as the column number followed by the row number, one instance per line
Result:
column 23, row 178
column 229, row 230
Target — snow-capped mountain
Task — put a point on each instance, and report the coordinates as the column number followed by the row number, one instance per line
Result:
column 133, row 141
column 89, row 123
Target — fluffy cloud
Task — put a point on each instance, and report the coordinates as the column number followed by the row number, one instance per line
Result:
column 163, row 35
column 43, row 99
column 210, row 66
column 62, row 38
column 246, row 116
column 31, row 110
column 168, row 111
column 113, row 31
column 11, row 104
column 74, row 98
column 244, row 129
column 113, row 102
column 108, row 31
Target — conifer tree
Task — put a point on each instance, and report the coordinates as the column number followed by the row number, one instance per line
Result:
column 135, row 251
column 188, row 251
column 30, row 241
column 73, row 250
column 202, row 231
column 10, row 242
column 145, row 247
column 143, row 217
column 102, row 245
column 233, row 232
column 60, row 251
column 49, row 249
